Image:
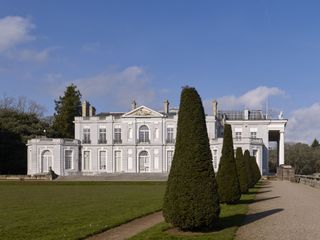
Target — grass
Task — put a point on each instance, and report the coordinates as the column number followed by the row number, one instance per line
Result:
column 231, row 217
column 72, row 210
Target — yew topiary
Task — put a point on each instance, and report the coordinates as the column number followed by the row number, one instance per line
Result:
column 191, row 200
column 227, row 177
column 255, row 170
column 247, row 160
column 242, row 171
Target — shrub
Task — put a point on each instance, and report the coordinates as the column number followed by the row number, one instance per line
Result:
column 247, row 160
column 242, row 171
column 227, row 177
column 191, row 200
column 255, row 170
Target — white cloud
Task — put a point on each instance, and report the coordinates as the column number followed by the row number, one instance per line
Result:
column 30, row 55
column 304, row 124
column 253, row 99
column 116, row 88
column 13, row 31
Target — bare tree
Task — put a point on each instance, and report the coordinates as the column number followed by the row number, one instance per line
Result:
column 22, row 104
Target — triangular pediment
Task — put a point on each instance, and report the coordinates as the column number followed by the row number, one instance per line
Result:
column 143, row 111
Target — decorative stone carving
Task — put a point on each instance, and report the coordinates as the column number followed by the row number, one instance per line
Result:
column 142, row 112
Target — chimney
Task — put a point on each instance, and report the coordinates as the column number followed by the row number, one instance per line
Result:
column 215, row 108
column 166, row 106
column 85, row 108
column 133, row 105
column 246, row 114
column 92, row 111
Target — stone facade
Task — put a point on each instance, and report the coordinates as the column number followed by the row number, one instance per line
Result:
column 143, row 140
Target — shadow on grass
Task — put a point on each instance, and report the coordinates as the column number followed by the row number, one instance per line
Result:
column 249, row 201
column 238, row 220
column 254, row 193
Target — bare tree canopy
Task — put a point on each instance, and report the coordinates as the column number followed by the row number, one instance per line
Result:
column 22, row 105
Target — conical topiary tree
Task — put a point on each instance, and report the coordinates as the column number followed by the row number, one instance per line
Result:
column 247, row 160
column 191, row 200
column 242, row 171
column 255, row 170
column 227, row 177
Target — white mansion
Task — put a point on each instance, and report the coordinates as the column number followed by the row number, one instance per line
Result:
column 143, row 140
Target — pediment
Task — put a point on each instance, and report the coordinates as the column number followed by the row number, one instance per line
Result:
column 143, row 112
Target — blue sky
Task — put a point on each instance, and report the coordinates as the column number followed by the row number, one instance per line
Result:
column 243, row 53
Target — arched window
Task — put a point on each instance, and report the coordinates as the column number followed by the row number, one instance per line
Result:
column 46, row 161
column 144, row 134
column 144, row 161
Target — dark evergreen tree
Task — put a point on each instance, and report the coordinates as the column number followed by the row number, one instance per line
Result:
column 315, row 143
column 67, row 107
column 13, row 153
column 242, row 171
column 191, row 200
column 16, row 128
column 255, row 170
column 247, row 160
column 227, row 177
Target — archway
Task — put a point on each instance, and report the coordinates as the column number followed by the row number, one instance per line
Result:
column 144, row 161
column 46, row 161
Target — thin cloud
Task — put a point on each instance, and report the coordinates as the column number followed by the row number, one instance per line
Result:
column 14, row 30
column 115, row 88
column 304, row 124
column 253, row 99
column 32, row 55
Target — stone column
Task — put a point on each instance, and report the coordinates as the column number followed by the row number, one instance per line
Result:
column 281, row 148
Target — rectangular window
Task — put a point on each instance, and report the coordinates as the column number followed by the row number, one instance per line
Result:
column 117, row 161
column 117, row 135
column 238, row 136
column 215, row 158
column 86, row 160
column 170, row 138
column 68, row 159
column 144, row 134
column 253, row 135
column 169, row 159
column 102, row 160
column 86, row 135
column 102, row 136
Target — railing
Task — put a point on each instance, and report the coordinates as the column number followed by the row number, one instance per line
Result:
column 117, row 141
column 102, row 141
column 310, row 180
column 256, row 140
column 248, row 140
column 86, row 141
column 147, row 141
column 170, row 140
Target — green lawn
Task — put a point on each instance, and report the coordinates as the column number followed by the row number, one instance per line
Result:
column 72, row 210
column 231, row 218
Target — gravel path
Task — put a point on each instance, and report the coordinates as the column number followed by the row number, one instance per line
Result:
column 130, row 229
column 285, row 211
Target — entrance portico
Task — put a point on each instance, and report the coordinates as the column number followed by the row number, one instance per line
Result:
column 276, row 133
